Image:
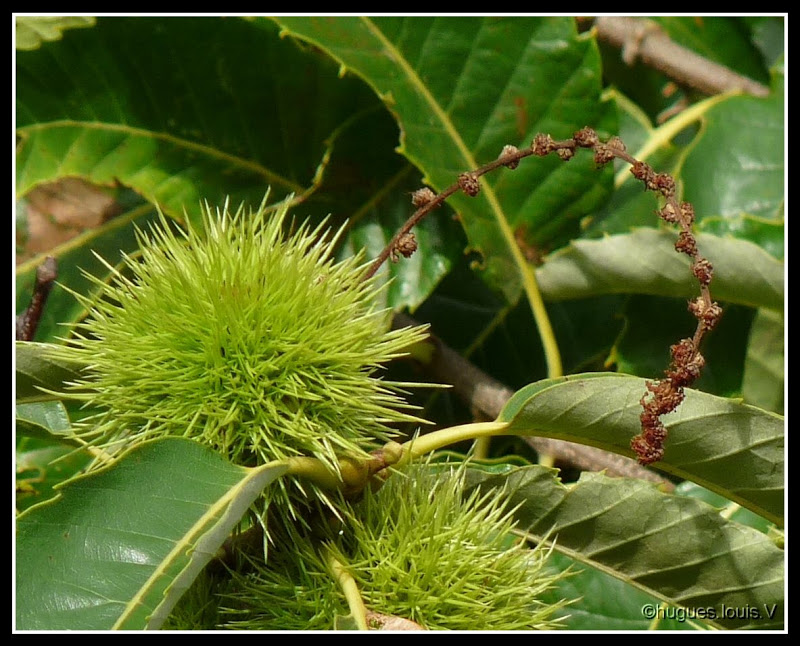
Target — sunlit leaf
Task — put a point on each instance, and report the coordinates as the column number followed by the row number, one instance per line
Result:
column 178, row 121
column 119, row 546
column 645, row 262
column 31, row 31
column 728, row 447
column 737, row 164
column 440, row 78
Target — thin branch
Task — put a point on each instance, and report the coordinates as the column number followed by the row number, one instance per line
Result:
column 425, row 200
column 28, row 321
column 662, row 396
column 687, row 362
column 644, row 40
column 482, row 392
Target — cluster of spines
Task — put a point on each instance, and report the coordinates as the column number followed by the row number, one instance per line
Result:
column 403, row 545
column 664, row 395
column 250, row 340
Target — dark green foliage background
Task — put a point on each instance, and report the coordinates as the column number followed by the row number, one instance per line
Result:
column 349, row 115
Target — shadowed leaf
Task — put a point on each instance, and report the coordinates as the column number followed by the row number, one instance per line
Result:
column 678, row 549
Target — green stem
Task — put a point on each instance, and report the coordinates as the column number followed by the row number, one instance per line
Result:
column 531, row 287
column 551, row 352
column 355, row 473
column 480, row 450
column 664, row 134
column 316, row 471
column 349, row 587
column 446, row 436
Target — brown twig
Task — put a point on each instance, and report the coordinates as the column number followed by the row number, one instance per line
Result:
column 687, row 362
column 426, row 200
column 644, row 40
column 28, row 321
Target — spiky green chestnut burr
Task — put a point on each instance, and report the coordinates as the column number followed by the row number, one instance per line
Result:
column 251, row 341
column 417, row 549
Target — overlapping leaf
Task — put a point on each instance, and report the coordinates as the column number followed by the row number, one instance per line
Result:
column 138, row 101
column 119, row 546
column 603, row 602
column 678, row 549
column 652, row 324
column 31, row 31
column 180, row 122
column 370, row 187
column 42, row 464
column 728, row 509
column 156, row 120
column 645, row 262
column 41, row 419
column 75, row 257
column 461, row 89
column 769, row 234
column 728, row 447
column 731, row 169
column 629, row 205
